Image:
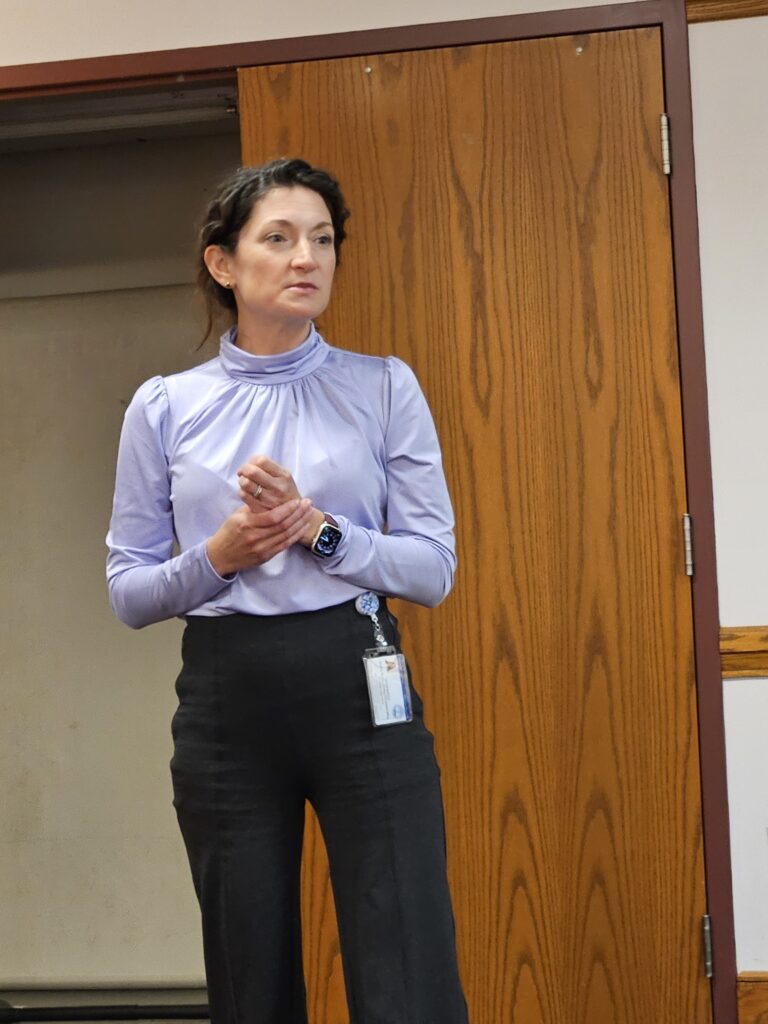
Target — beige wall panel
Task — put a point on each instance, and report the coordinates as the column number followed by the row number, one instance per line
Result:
column 95, row 887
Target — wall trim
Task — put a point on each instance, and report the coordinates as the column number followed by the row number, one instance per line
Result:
column 724, row 10
column 153, row 68
column 706, row 618
column 744, row 653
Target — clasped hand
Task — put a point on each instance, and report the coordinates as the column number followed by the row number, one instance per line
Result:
column 274, row 517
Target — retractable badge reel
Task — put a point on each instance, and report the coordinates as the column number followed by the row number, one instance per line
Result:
column 385, row 671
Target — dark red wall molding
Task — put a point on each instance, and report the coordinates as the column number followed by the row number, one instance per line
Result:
column 137, row 69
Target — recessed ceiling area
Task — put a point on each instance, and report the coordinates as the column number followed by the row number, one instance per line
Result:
column 102, row 192
column 173, row 111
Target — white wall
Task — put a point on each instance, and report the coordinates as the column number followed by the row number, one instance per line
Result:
column 746, row 722
column 729, row 71
column 43, row 30
column 92, row 871
column 730, row 86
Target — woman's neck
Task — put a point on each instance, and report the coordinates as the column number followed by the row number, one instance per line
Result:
column 270, row 339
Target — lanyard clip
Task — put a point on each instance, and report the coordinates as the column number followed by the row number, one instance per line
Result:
column 368, row 604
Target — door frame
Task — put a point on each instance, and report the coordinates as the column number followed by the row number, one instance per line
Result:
column 155, row 69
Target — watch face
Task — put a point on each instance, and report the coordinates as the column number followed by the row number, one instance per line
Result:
column 327, row 541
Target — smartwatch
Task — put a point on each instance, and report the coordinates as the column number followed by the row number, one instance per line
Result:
column 327, row 539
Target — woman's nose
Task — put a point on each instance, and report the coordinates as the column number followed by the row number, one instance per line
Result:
column 303, row 255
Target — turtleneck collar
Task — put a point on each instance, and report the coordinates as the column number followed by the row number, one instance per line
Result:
column 280, row 368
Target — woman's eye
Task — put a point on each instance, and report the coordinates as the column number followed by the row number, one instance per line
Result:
column 324, row 240
column 275, row 237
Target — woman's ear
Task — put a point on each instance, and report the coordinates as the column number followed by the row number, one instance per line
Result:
column 218, row 263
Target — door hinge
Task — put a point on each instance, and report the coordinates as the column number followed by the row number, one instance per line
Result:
column 706, row 935
column 688, row 544
column 666, row 159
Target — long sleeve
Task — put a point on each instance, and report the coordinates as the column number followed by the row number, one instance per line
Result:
column 354, row 431
column 145, row 583
column 415, row 559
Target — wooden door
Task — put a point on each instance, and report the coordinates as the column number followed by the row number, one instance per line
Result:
column 510, row 239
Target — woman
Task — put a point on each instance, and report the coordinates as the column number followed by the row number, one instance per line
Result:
column 300, row 481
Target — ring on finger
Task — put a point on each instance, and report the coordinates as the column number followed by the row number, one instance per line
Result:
column 258, row 490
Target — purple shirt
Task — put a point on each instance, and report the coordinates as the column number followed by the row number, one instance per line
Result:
column 355, row 432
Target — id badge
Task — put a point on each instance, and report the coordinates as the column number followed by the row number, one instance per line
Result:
column 388, row 688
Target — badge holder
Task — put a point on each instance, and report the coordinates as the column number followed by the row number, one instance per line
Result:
column 385, row 671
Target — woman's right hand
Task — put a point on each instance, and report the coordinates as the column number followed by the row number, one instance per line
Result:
column 250, row 538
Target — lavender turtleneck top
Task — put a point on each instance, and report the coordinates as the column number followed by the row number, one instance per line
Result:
column 355, row 432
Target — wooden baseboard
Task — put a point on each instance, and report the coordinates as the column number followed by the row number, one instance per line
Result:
column 744, row 651
column 753, row 997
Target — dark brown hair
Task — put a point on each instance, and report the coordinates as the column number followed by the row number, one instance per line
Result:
column 232, row 205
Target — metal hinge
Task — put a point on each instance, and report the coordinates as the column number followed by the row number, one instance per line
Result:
column 688, row 544
column 706, row 935
column 666, row 159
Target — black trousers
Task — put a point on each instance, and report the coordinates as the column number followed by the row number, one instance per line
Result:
column 274, row 711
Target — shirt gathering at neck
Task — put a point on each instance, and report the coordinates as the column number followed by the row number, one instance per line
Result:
column 280, row 368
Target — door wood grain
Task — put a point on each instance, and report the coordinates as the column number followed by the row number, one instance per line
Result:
column 510, row 239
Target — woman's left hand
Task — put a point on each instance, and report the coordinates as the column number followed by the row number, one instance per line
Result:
column 265, row 484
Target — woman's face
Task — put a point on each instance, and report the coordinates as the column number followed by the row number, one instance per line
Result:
column 282, row 269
